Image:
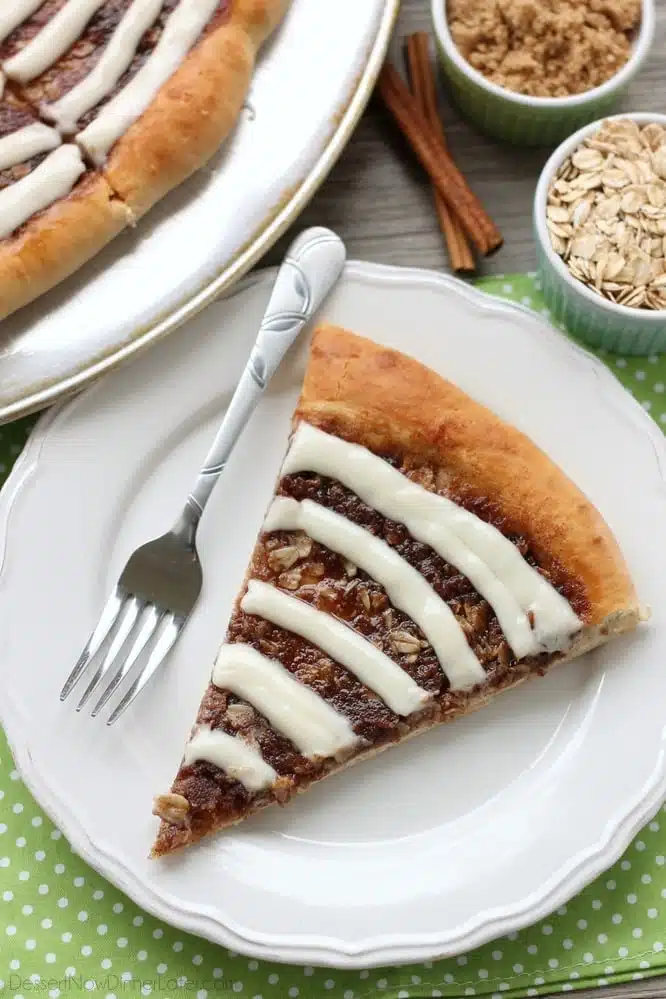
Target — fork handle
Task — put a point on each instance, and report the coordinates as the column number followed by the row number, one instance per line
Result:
column 311, row 268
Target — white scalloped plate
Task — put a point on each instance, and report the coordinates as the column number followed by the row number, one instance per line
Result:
column 312, row 83
column 464, row 834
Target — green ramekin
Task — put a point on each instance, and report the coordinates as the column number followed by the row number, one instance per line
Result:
column 532, row 121
column 586, row 315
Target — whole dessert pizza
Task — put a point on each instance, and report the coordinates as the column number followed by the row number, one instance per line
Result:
column 419, row 557
column 105, row 106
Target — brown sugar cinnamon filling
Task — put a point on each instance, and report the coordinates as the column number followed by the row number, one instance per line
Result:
column 322, row 578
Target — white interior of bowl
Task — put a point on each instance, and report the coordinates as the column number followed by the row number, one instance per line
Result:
column 641, row 47
column 550, row 169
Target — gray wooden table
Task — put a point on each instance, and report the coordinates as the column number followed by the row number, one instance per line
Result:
column 378, row 199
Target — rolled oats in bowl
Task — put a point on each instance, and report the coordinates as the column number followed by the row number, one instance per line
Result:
column 599, row 223
column 606, row 213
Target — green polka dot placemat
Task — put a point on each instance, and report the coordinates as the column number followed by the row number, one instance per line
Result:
column 64, row 930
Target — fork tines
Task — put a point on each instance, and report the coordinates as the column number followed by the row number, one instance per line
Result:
column 130, row 633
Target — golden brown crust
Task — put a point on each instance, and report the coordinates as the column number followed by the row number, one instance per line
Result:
column 195, row 111
column 56, row 242
column 393, row 404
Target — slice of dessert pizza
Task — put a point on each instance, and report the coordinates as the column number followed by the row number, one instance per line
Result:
column 419, row 557
column 142, row 91
column 55, row 211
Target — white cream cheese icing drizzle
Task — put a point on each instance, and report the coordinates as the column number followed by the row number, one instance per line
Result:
column 24, row 143
column 181, row 31
column 230, row 753
column 16, row 12
column 406, row 587
column 291, row 707
column 490, row 561
column 376, row 670
column 52, row 179
column 114, row 61
column 55, row 38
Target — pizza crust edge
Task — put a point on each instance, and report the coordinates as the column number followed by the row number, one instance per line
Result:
column 55, row 243
column 389, row 402
column 195, row 110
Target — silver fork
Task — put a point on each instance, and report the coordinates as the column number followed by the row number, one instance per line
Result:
column 160, row 585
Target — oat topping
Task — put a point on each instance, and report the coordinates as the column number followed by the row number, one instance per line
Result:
column 240, row 716
column 606, row 213
column 290, row 580
column 283, row 558
column 349, row 567
column 172, row 808
column 405, row 643
column 545, row 48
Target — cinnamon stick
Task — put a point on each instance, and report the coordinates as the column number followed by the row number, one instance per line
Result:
column 437, row 162
column 422, row 81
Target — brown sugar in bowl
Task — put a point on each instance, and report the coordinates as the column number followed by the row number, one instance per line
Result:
column 523, row 119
